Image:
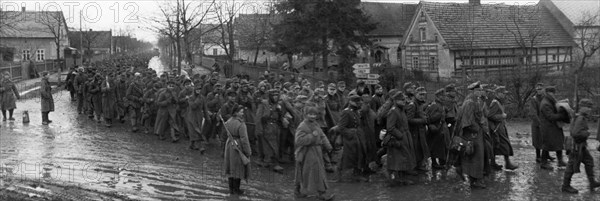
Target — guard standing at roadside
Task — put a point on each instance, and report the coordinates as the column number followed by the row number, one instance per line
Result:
column 47, row 100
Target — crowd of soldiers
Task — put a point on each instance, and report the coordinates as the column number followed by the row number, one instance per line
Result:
column 367, row 126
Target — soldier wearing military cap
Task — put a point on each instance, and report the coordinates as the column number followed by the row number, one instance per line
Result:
column 469, row 126
column 497, row 121
column 270, row 116
column 342, row 92
column 135, row 96
column 552, row 133
column 353, row 155
column 149, row 110
column 417, row 120
column 533, row 106
column 166, row 114
column 398, row 141
column 438, row 135
column 214, row 101
column 361, row 88
column 409, row 89
column 579, row 153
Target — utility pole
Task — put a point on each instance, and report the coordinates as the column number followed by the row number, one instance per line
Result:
column 80, row 38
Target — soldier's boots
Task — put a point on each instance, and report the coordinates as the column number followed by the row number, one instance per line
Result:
column 589, row 171
column 325, row 196
column 546, row 165
column 566, row 187
column 298, row 193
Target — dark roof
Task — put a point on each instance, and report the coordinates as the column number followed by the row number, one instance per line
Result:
column 494, row 25
column 392, row 18
column 99, row 39
column 31, row 24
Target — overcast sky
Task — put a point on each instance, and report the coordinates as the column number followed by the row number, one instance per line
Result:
column 133, row 15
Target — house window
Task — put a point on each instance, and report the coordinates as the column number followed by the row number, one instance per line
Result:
column 422, row 17
column 39, row 55
column 432, row 62
column 422, row 34
column 435, row 38
column 554, row 57
column 215, row 51
column 26, row 55
column 415, row 61
column 399, row 55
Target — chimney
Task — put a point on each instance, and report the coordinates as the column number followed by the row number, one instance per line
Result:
column 23, row 9
column 475, row 2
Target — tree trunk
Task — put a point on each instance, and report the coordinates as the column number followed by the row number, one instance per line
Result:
column 325, row 52
column 256, row 55
column 290, row 58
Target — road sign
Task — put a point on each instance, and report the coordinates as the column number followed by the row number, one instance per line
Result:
column 362, row 75
column 361, row 71
column 361, row 66
column 373, row 76
column 371, row 81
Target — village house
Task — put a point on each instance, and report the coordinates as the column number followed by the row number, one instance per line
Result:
column 33, row 36
column 578, row 17
column 392, row 21
column 448, row 40
column 97, row 45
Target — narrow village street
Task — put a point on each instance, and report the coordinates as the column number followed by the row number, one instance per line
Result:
column 77, row 158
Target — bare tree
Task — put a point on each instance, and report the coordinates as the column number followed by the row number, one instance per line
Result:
column 178, row 21
column 89, row 38
column 255, row 30
column 225, row 12
column 588, row 42
column 53, row 23
column 526, row 29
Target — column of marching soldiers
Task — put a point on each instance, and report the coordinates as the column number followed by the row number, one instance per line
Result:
column 367, row 127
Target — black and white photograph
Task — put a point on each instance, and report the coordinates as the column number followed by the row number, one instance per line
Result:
column 152, row 100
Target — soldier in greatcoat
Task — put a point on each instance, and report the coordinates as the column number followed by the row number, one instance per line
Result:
column 469, row 126
column 417, row 120
column 8, row 97
column 135, row 96
column 109, row 97
column 150, row 108
column 398, row 141
column 166, row 114
column 552, row 134
column 79, row 85
column 270, row 115
column 496, row 117
column 236, row 147
column 534, row 116
column 353, row 154
column 310, row 142
column 47, row 103
column 194, row 118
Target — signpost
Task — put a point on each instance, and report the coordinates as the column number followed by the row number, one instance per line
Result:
column 362, row 75
column 361, row 66
column 373, row 76
column 371, row 81
column 362, row 71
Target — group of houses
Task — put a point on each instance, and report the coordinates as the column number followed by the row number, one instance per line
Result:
column 41, row 36
column 463, row 39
